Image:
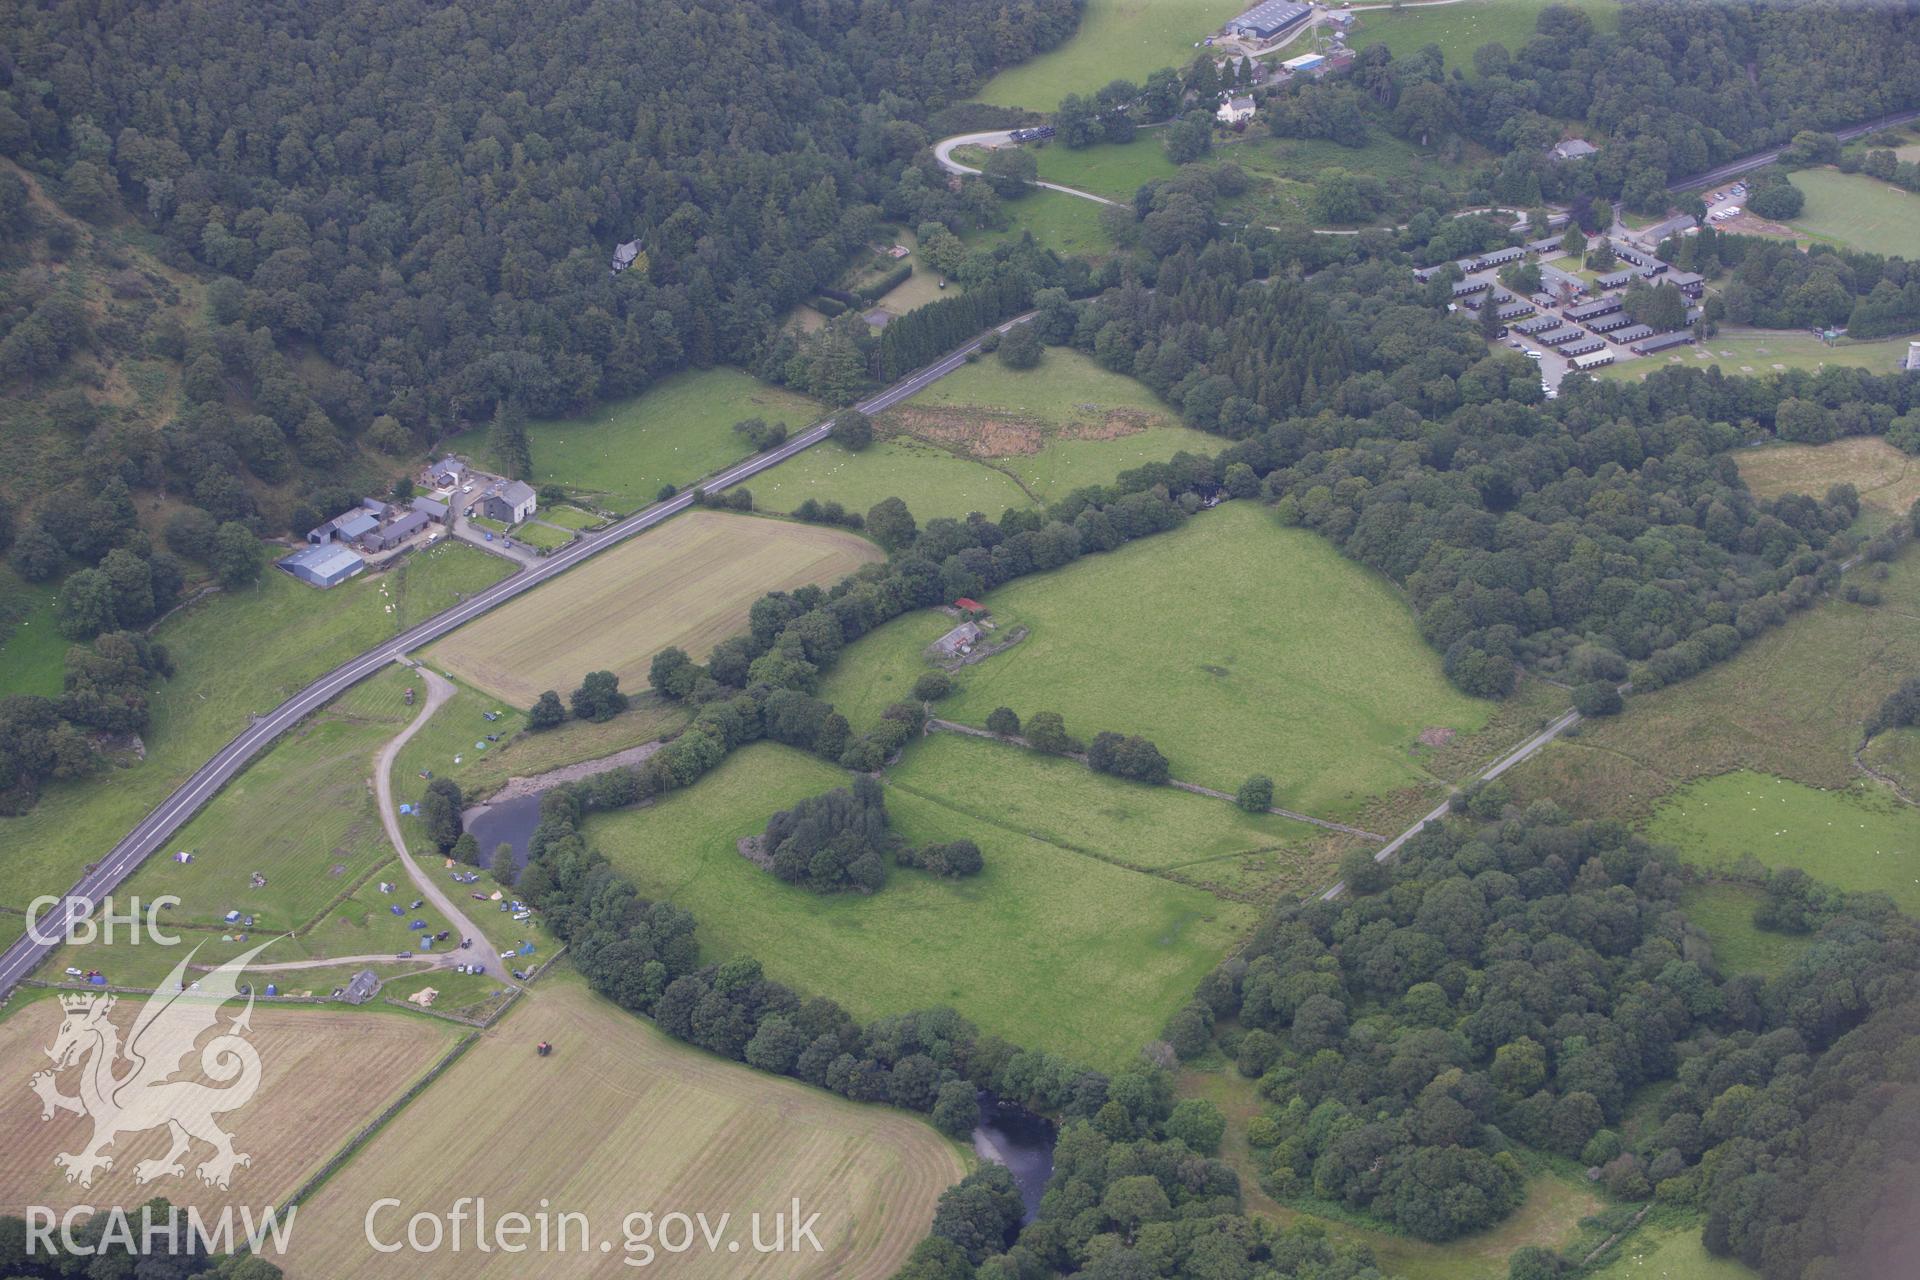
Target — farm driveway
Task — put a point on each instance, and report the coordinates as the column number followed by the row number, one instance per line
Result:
column 439, row 689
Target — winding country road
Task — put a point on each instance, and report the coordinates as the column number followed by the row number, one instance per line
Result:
column 152, row 831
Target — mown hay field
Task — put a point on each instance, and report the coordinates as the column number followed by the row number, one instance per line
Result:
column 1236, row 645
column 324, row 1075
column 1125, row 38
column 622, row 1119
column 1049, row 947
column 688, row 583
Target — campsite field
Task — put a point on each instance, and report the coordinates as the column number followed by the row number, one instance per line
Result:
column 1116, row 38
column 1764, row 351
column 236, row 654
column 1858, row 212
column 988, row 438
column 1047, row 947
column 325, row 1074
column 1861, row 838
column 1236, row 645
column 622, row 1118
column 622, row 452
column 526, row 753
column 688, row 583
column 1459, row 29
column 1888, row 479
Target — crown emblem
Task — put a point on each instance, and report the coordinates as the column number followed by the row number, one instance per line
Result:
column 77, row 1004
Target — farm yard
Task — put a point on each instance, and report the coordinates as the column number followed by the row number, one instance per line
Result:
column 236, row 654
column 688, row 583
column 1115, row 38
column 1048, row 947
column 1763, row 351
column 1238, row 646
column 622, row 1118
column 623, row 452
column 1888, row 478
column 325, row 1074
column 987, row 438
column 1858, row 212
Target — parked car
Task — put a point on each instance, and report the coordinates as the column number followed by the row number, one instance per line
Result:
column 1534, row 355
column 403, row 955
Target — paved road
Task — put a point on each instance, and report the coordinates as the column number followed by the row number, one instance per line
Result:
column 1761, row 159
column 439, row 689
column 153, row 831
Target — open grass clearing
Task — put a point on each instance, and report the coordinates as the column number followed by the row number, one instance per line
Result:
column 1668, row 1252
column 689, row 583
column 1725, row 910
column 1236, row 645
column 325, row 1074
column 236, row 654
column 1549, row 1216
column 1047, row 947
column 1758, row 352
column 33, row 652
column 1126, row 39
column 1461, row 28
column 1791, row 704
column 1862, row 838
column 1888, row 479
column 1858, row 212
column 621, row 1118
column 987, row 438
column 541, row 537
column 1113, row 170
column 1896, row 755
column 674, row 433
column 1176, row 834
column 570, row 517
column 1066, row 224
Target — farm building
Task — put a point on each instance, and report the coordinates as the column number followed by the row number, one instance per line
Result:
column 397, row 532
column 326, row 565
column 1265, row 21
column 432, row 510
column 1307, row 64
column 1235, row 110
column 509, row 503
column 449, row 472
column 1661, row 341
column 958, row 641
column 1573, row 149
column 379, row 509
column 362, row 988
column 1913, row 355
column 345, row 527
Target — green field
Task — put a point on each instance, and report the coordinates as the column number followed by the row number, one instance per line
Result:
column 236, row 654
column 1459, row 29
column 1762, row 351
column 1066, row 224
column 675, row 433
column 535, row 534
column 1113, row 170
column 1668, row 1253
column 1862, row 838
column 1725, row 910
column 1159, row 830
column 1117, row 38
column 33, row 657
column 987, row 438
column 1050, row 948
column 1859, row 212
column 570, row 517
column 1896, row 753
column 1236, row 645
column 1887, row 479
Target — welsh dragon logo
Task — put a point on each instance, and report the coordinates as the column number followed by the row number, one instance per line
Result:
column 127, row 1089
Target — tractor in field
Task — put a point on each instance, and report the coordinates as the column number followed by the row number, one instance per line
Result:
column 544, row 1049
